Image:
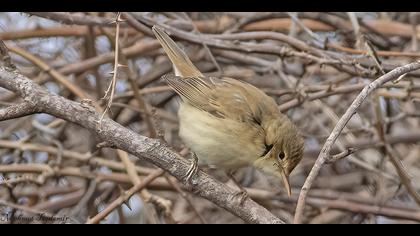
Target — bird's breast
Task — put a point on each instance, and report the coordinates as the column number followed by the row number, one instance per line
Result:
column 218, row 141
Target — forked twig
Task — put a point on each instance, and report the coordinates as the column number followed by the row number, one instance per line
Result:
column 325, row 151
column 111, row 88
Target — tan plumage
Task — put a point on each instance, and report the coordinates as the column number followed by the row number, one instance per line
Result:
column 229, row 123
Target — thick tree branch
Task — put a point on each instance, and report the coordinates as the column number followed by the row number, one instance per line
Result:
column 17, row 110
column 151, row 150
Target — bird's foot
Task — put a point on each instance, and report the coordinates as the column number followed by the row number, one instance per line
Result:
column 241, row 196
column 193, row 168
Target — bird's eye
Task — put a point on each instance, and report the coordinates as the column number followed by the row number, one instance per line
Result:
column 281, row 155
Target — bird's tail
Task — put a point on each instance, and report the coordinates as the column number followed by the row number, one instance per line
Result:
column 182, row 64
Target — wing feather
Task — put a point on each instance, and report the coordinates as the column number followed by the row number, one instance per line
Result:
column 224, row 98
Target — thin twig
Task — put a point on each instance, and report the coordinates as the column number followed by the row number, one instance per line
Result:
column 125, row 197
column 402, row 172
column 204, row 45
column 325, row 151
column 109, row 93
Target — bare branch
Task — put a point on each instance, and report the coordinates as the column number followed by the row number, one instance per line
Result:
column 123, row 198
column 68, row 18
column 18, row 110
column 148, row 149
column 402, row 172
column 325, row 151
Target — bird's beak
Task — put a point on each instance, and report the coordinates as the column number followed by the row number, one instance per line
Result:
column 286, row 183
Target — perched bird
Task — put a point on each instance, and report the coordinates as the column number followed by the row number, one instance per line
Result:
column 230, row 123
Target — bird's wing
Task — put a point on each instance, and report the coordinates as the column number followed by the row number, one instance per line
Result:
column 180, row 61
column 224, row 98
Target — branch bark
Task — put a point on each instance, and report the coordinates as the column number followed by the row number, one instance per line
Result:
column 17, row 110
column 68, row 18
column 325, row 151
column 151, row 150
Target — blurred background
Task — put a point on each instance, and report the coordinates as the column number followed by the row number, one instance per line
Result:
column 312, row 64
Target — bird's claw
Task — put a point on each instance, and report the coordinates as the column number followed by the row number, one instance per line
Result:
column 193, row 168
column 242, row 196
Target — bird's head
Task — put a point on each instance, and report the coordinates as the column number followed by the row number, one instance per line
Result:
column 284, row 149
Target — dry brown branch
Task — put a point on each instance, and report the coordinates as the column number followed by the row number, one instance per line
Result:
column 69, row 18
column 324, row 154
column 60, row 31
column 18, row 110
column 110, row 91
column 140, row 146
column 308, row 62
column 55, row 74
column 136, row 49
column 123, row 198
column 402, row 172
column 382, row 26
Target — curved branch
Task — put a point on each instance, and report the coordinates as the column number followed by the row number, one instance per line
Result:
column 72, row 19
column 325, row 151
column 151, row 150
column 17, row 110
column 125, row 197
column 48, row 69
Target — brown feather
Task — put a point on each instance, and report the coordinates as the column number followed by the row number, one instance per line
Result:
column 230, row 123
column 182, row 64
column 224, row 98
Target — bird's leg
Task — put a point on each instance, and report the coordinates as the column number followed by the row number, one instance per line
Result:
column 242, row 194
column 193, row 168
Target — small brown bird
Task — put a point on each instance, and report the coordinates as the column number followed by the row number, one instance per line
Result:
column 229, row 123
